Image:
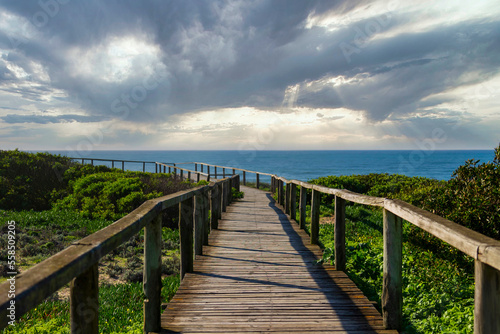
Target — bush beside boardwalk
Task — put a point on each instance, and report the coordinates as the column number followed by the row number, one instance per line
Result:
column 438, row 280
column 54, row 202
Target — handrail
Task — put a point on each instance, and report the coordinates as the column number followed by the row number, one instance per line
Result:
column 78, row 263
column 83, row 159
column 484, row 250
column 182, row 170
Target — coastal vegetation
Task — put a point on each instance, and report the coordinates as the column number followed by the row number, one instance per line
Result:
column 438, row 280
column 54, row 202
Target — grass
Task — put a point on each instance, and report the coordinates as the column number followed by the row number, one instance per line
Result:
column 115, row 316
column 438, row 293
column 40, row 235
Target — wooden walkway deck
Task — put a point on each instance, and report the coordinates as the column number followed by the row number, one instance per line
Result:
column 259, row 276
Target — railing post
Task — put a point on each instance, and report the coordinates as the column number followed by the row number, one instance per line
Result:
column 189, row 175
column 199, row 228
column 214, row 210
column 293, row 201
column 169, row 170
column 215, row 171
column 84, row 302
column 195, row 167
column 244, row 178
column 198, row 177
column 182, row 175
column 234, row 171
column 186, row 235
column 164, row 169
column 340, row 258
column 223, row 197
column 258, row 181
column 206, row 221
column 143, row 166
column 152, row 275
column 287, row 198
column 392, row 291
column 302, row 207
column 92, row 162
column 208, row 172
column 219, row 201
column 201, row 166
column 112, row 164
column 486, row 299
column 156, row 168
column 223, row 173
column 123, row 165
column 281, row 195
column 316, row 197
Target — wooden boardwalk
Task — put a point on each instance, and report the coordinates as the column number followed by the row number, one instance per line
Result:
column 259, row 276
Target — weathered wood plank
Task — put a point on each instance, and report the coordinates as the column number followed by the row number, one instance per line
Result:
column 152, row 275
column 84, row 302
column 340, row 255
column 392, row 289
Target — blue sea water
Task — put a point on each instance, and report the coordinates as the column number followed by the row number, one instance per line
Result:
column 306, row 165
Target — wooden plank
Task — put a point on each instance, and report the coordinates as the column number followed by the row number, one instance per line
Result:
column 392, row 289
column 152, row 275
column 339, row 240
column 315, row 202
column 84, row 302
column 474, row 244
column 486, row 299
column 302, row 207
column 186, row 236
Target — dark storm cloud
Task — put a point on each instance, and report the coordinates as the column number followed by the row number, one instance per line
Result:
column 237, row 53
column 46, row 119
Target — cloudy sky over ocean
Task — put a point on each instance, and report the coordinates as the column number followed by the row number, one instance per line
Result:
column 263, row 74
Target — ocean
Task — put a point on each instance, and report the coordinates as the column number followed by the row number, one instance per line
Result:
column 307, row 165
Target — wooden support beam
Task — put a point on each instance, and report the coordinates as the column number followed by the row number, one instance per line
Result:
column 281, row 195
column 205, row 215
column 302, row 207
column 316, row 198
column 287, row 198
column 214, row 210
column 152, row 275
column 392, row 290
column 199, row 229
column 293, row 201
column 258, row 180
column 340, row 257
column 244, row 178
column 84, row 302
column 486, row 299
column 186, row 235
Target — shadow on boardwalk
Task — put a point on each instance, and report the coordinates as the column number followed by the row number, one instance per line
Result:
column 259, row 275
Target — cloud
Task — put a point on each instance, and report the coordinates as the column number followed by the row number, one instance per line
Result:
column 143, row 62
column 46, row 119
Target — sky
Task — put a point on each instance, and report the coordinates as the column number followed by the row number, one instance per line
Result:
column 249, row 75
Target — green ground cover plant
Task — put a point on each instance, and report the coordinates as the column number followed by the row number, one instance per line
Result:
column 438, row 280
column 55, row 202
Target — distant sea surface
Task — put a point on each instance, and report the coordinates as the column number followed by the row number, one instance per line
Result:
column 307, row 165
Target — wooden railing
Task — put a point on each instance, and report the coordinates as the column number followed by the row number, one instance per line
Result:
column 217, row 170
column 484, row 250
column 118, row 162
column 78, row 264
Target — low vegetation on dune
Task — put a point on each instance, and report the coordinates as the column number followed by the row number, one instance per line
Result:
column 438, row 280
column 54, row 202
